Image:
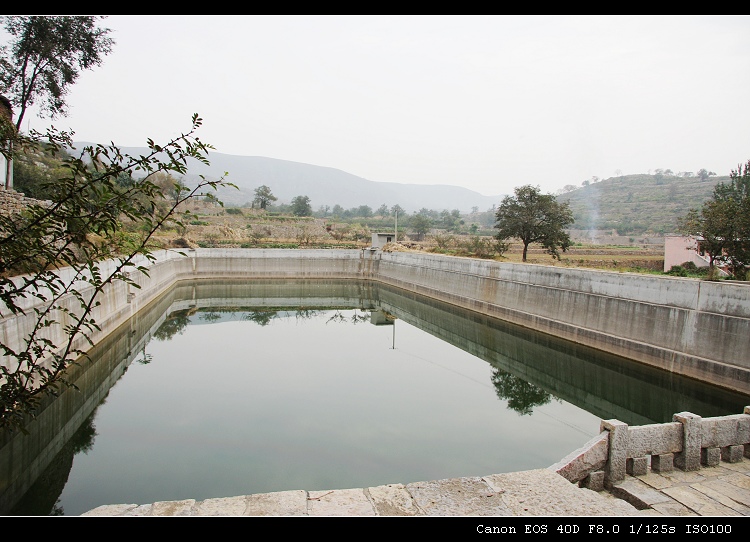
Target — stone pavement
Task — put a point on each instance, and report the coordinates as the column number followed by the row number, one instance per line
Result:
column 723, row 490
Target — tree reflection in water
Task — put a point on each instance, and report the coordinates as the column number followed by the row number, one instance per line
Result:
column 43, row 497
column 306, row 314
column 338, row 316
column 175, row 323
column 262, row 318
column 521, row 396
column 210, row 316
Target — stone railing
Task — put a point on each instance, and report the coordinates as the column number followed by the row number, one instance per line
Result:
column 687, row 443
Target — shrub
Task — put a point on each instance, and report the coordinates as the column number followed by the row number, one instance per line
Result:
column 181, row 242
column 677, row 271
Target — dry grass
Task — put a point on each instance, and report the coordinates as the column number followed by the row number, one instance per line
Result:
column 207, row 225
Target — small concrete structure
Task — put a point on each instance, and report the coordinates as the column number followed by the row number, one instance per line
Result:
column 380, row 318
column 379, row 240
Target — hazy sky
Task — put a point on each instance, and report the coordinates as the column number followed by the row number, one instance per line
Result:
column 485, row 102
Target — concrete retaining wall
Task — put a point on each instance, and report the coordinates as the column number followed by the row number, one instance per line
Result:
column 694, row 328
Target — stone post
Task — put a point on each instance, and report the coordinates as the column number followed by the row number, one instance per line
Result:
column 614, row 470
column 690, row 456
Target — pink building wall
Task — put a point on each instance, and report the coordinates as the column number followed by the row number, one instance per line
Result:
column 680, row 249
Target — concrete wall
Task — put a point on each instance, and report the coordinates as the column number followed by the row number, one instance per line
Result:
column 695, row 328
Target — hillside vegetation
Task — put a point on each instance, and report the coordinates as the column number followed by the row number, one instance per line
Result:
column 627, row 206
column 634, row 205
column 208, row 225
column 619, row 222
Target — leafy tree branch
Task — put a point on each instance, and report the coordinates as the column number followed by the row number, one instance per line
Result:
column 57, row 257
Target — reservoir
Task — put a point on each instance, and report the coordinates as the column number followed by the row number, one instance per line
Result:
column 224, row 388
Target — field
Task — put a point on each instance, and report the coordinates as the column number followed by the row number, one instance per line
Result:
column 206, row 225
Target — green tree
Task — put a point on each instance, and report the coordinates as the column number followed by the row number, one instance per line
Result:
column 171, row 187
column 263, row 196
column 722, row 224
column 79, row 231
column 301, row 206
column 32, row 170
column 738, row 191
column 533, row 217
column 431, row 213
column 713, row 225
column 451, row 221
column 178, row 189
column 704, row 174
column 45, row 58
column 211, row 199
column 364, row 211
column 421, row 224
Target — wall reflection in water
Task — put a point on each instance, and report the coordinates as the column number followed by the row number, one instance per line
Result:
column 319, row 385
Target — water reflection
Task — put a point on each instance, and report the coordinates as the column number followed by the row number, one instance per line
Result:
column 426, row 416
column 174, row 324
column 608, row 386
column 522, row 396
column 43, row 497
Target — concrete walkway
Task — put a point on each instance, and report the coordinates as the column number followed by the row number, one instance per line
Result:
column 723, row 490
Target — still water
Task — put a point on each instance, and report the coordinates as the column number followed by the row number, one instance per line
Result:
column 224, row 389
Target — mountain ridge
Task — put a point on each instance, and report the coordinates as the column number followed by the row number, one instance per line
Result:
column 325, row 186
column 627, row 204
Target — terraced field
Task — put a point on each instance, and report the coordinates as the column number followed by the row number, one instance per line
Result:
column 214, row 226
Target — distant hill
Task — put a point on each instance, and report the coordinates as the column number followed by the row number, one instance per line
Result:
column 638, row 204
column 626, row 205
column 323, row 185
